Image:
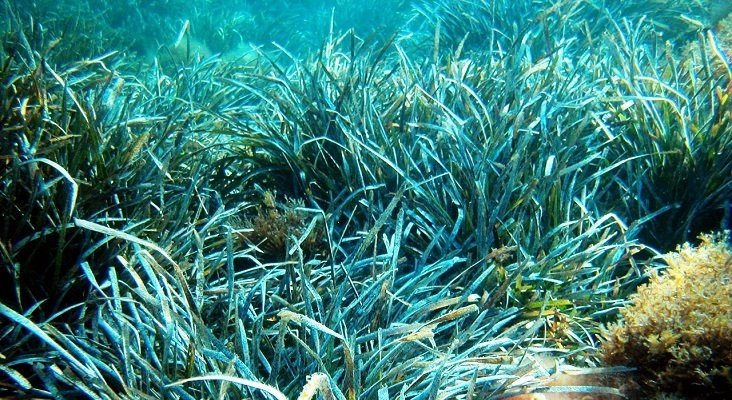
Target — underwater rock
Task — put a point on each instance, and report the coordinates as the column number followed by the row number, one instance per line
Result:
column 677, row 331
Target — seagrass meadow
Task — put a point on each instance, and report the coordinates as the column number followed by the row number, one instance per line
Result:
column 393, row 199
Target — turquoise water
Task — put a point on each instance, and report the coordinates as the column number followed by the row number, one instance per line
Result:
column 227, row 27
column 219, row 26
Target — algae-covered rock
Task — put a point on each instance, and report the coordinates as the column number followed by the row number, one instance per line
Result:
column 678, row 330
column 723, row 30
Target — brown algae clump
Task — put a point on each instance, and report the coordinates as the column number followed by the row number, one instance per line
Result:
column 277, row 226
column 677, row 331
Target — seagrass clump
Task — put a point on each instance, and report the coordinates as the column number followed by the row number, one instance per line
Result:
column 468, row 214
column 677, row 331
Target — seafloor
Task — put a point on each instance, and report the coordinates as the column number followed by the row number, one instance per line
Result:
column 394, row 199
